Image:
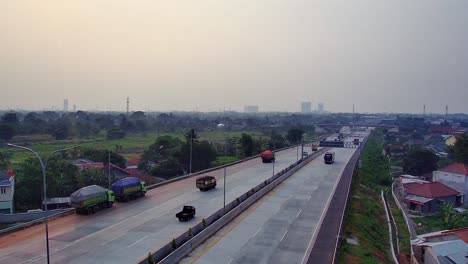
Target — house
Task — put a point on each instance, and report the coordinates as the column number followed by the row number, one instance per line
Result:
column 7, row 190
column 408, row 182
column 448, row 246
column 118, row 172
column 455, row 176
column 394, row 150
column 441, row 129
column 427, row 197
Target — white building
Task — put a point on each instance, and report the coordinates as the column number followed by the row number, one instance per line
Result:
column 455, row 176
column 7, row 190
column 321, row 107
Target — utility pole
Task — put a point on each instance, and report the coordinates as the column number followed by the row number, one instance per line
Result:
column 424, row 110
column 128, row 106
column 446, row 111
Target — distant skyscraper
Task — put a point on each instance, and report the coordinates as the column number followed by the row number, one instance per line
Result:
column 306, row 107
column 128, row 106
column 251, row 108
column 321, row 108
column 65, row 105
column 74, row 108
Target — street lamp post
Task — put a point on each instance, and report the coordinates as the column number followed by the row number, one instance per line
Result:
column 191, row 142
column 221, row 126
column 44, row 186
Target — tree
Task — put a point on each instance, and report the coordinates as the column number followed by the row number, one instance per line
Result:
column 10, row 118
column 99, row 177
column 115, row 134
column 294, row 135
column 102, row 155
column 450, row 218
column 459, row 151
column 7, row 132
column 203, row 153
column 420, row 161
column 4, row 161
column 28, row 185
column 162, row 148
column 191, row 135
column 168, row 168
column 246, row 145
column 61, row 130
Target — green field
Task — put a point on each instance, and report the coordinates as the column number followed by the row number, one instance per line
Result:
column 132, row 144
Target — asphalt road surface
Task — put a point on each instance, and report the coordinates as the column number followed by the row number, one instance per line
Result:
column 283, row 225
column 128, row 231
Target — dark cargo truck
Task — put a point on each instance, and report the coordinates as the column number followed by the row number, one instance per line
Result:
column 91, row 198
column 206, row 183
column 187, row 213
column 128, row 188
column 329, row 157
column 267, row 156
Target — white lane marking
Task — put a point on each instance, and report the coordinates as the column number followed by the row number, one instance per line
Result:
column 284, row 235
column 325, row 209
column 277, row 210
column 112, row 239
column 256, row 233
column 290, row 196
column 138, row 241
column 92, row 234
column 230, row 261
column 310, row 197
column 300, row 211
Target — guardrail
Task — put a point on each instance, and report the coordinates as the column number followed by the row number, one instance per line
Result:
column 68, row 211
column 172, row 252
column 390, row 233
column 37, row 221
column 152, row 186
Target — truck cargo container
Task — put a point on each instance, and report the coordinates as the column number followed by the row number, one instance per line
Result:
column 91, row 198
column 267, row 156
column 128, row 188
column 206, row 183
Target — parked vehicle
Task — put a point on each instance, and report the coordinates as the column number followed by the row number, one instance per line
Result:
column 267, row 156
column 128, row 188
column 206, row 183
column 187, row 213
column 91, row 198
column 356, row 141
column 315, row 147
column 329, row 157
column 305, row 154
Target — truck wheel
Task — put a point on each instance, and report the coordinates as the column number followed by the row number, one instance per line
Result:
column 89, row 210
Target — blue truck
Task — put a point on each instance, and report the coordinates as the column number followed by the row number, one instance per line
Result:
column 128, row 188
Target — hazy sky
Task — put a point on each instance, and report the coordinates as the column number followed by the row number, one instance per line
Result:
column 383, row 56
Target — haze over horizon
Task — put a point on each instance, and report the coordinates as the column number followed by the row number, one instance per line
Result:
column 210, row 55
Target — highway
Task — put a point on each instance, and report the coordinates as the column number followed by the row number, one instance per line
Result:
column 127, row 232
column 282, row 226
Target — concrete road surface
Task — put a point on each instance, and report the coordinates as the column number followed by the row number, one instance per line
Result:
column 281, row 226
column 128, row 231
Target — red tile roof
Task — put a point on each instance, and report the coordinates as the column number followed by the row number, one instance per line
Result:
column 457, row 168
column 134, row 161
column 432, row 190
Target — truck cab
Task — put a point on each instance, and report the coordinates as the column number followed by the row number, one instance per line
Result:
column 329, row 157
column 187, row 213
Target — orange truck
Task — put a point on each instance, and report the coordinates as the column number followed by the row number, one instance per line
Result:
column 267, row 156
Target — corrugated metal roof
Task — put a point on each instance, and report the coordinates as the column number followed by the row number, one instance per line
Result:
column 418, row 199
column 455, row 250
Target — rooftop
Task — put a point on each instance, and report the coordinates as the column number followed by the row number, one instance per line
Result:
column 432, row 190
column 456, row 168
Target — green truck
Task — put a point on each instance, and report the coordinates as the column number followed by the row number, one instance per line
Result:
column 128, row 188
column 90, row 199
